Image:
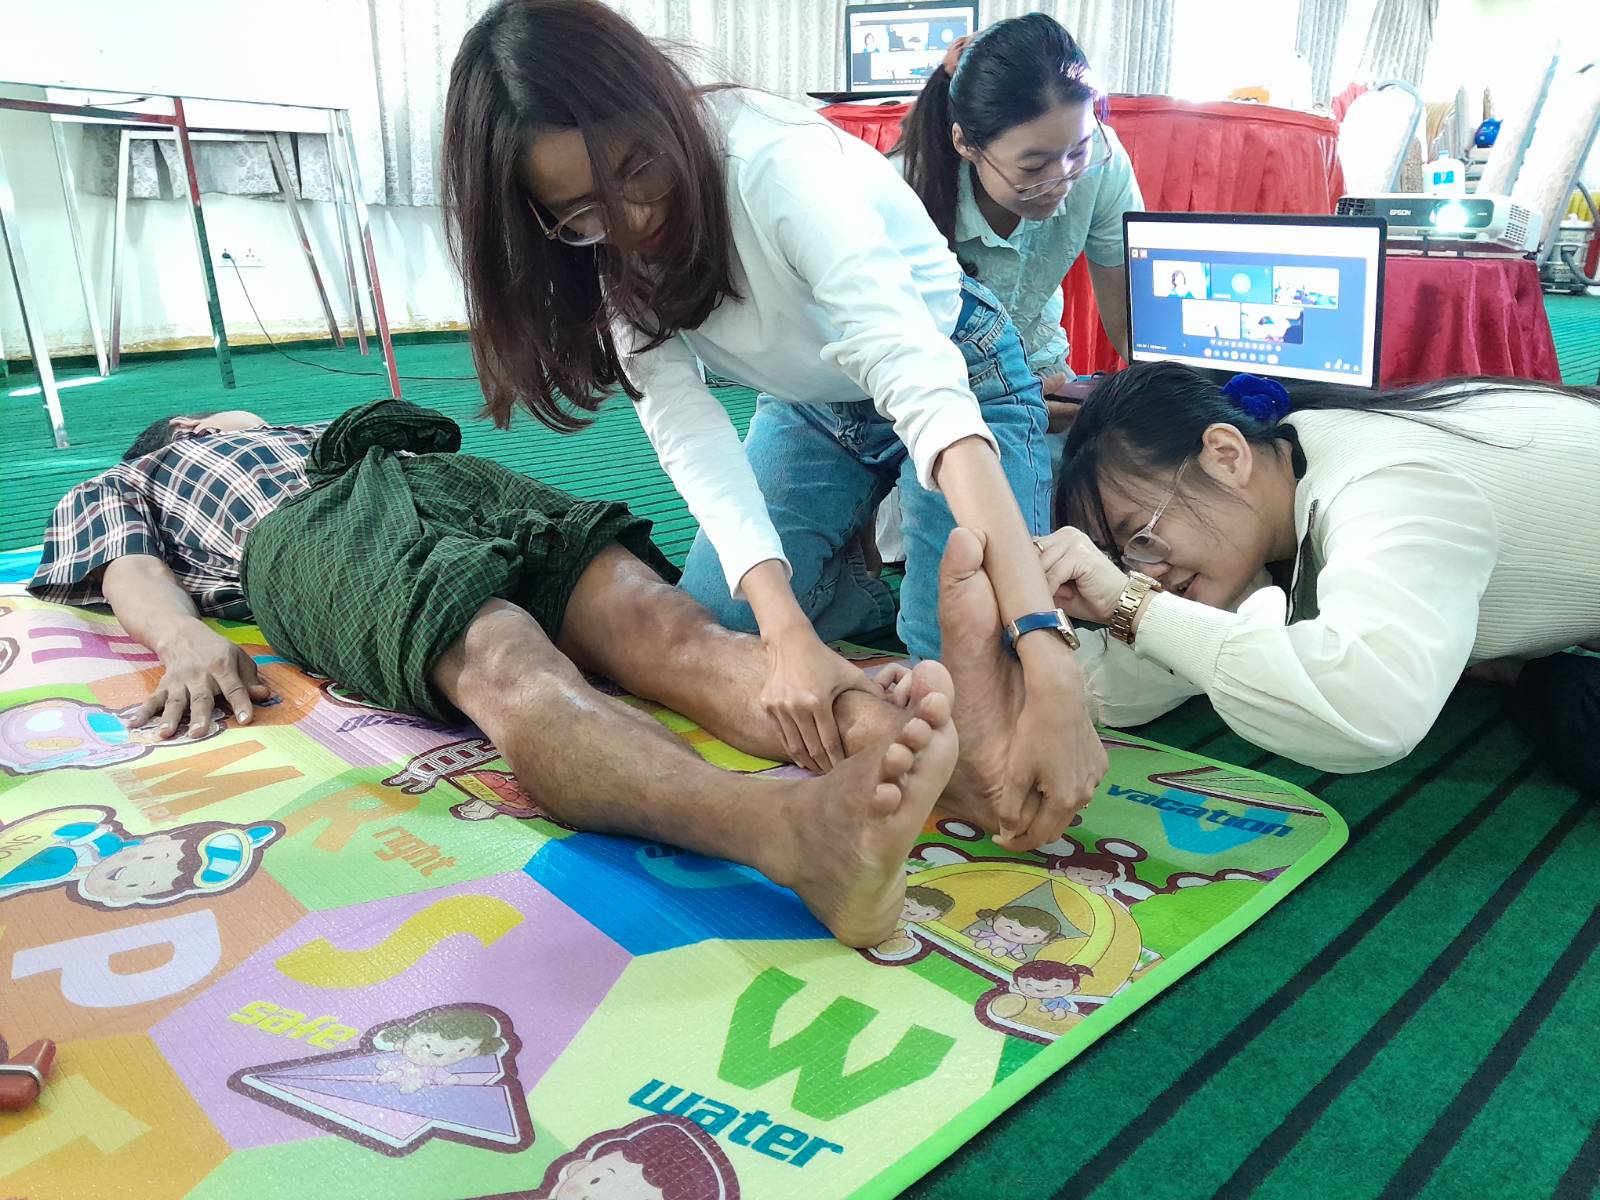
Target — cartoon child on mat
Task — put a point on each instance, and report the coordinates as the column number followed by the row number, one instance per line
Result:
column 1050, row 986
column 427, row 1047
column 84, row 850
column 1017, row 931
column 657, row 1158
column 1103, row 874
column 922, row 904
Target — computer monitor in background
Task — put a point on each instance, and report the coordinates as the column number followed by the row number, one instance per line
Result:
column 891, row 49
column 1291, row 296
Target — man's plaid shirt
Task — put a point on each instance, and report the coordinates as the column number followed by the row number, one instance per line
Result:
column 189, row 504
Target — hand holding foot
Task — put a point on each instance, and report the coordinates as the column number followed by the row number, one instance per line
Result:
column 1030, row 758
column 843, row 839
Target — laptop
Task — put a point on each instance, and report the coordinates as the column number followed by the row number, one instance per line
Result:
column 1292, row 297
column 891, row 49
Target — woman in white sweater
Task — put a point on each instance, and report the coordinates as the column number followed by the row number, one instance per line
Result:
column 1325, row 568
column 615, row 222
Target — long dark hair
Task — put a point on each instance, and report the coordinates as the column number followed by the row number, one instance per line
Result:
column 1012, row 72
column 1147, row 421
column 541, row 310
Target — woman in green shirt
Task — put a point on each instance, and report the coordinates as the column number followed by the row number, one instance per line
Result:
column 1007, row 149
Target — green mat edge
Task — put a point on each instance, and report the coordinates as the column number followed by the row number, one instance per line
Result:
column 956, row 1133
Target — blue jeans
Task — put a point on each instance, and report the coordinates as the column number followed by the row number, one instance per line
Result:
column 824, row 469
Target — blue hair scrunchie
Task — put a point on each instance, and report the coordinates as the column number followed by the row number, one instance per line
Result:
column 1264, row 399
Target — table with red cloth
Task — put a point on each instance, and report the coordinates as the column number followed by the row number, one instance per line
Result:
column 1446, row 316
column 878, row 125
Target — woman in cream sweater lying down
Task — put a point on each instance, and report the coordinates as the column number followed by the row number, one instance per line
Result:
column 1324, row 567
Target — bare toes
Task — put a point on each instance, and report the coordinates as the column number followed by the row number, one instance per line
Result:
column 887, row 795
column 915, row 734
column 897, row 760
column 934, row 708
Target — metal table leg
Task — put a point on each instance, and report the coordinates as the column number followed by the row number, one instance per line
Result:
column 336, row 173
column 291, row 198
column 219, row 335
column 375, row 289
column 11, row 237
column 69, row 194
column 119, row 245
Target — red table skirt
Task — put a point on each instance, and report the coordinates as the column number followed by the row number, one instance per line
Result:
column 1444, row 317
column 878, row 125
column 1222, row 157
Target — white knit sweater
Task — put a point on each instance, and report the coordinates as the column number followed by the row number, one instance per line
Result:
column 1431, row 551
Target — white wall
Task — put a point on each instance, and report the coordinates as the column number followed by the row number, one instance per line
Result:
column 1505, row 44
column 1210, row 59
column 163, row 300
column 1469, row 50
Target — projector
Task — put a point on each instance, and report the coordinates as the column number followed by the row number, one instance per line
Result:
column 1453, row 222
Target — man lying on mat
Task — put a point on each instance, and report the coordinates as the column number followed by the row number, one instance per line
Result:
column 440, row 584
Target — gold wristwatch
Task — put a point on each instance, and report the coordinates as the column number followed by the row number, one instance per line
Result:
column 1129, row 603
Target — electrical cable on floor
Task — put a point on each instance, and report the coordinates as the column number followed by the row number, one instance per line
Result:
column 232, row 262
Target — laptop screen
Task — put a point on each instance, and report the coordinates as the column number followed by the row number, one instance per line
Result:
column 895, row 47
column 1291, row 296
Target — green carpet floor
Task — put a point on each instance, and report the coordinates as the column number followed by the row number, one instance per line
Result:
column 1419, row 1020
column 1575, row 322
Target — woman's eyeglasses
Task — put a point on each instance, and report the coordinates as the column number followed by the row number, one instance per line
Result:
column 586, row 224
column 1042, row 188
column 1148, row 547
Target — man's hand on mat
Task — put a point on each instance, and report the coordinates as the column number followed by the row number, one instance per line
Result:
column 804, row 678
column 203, row 668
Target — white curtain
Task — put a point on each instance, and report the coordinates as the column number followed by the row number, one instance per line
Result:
column 1398, row 41
column 1317, row 40
column 1129, row 42
column 785, row 46
column 1384, row 39
column 414, row 42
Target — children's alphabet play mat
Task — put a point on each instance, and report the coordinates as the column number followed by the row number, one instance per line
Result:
column 339, row 953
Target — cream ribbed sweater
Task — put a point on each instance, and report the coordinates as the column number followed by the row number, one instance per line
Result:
column 1430, row 551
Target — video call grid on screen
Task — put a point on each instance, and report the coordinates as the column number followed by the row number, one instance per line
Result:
column 895, row 47
column 1294, row 297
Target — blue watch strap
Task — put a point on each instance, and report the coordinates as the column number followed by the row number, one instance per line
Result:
column 1054, row 619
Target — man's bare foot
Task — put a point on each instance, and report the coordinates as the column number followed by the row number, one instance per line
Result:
column 989, row 687
column 848, row 833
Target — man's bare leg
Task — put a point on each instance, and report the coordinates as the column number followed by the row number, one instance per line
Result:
column 839, row 842
column 626, row 623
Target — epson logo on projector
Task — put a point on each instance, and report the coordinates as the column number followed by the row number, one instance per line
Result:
column 1399, row 212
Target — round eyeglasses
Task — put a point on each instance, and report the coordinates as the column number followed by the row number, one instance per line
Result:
column 1147, row 547
column 585, row 225
column 1039, row 189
